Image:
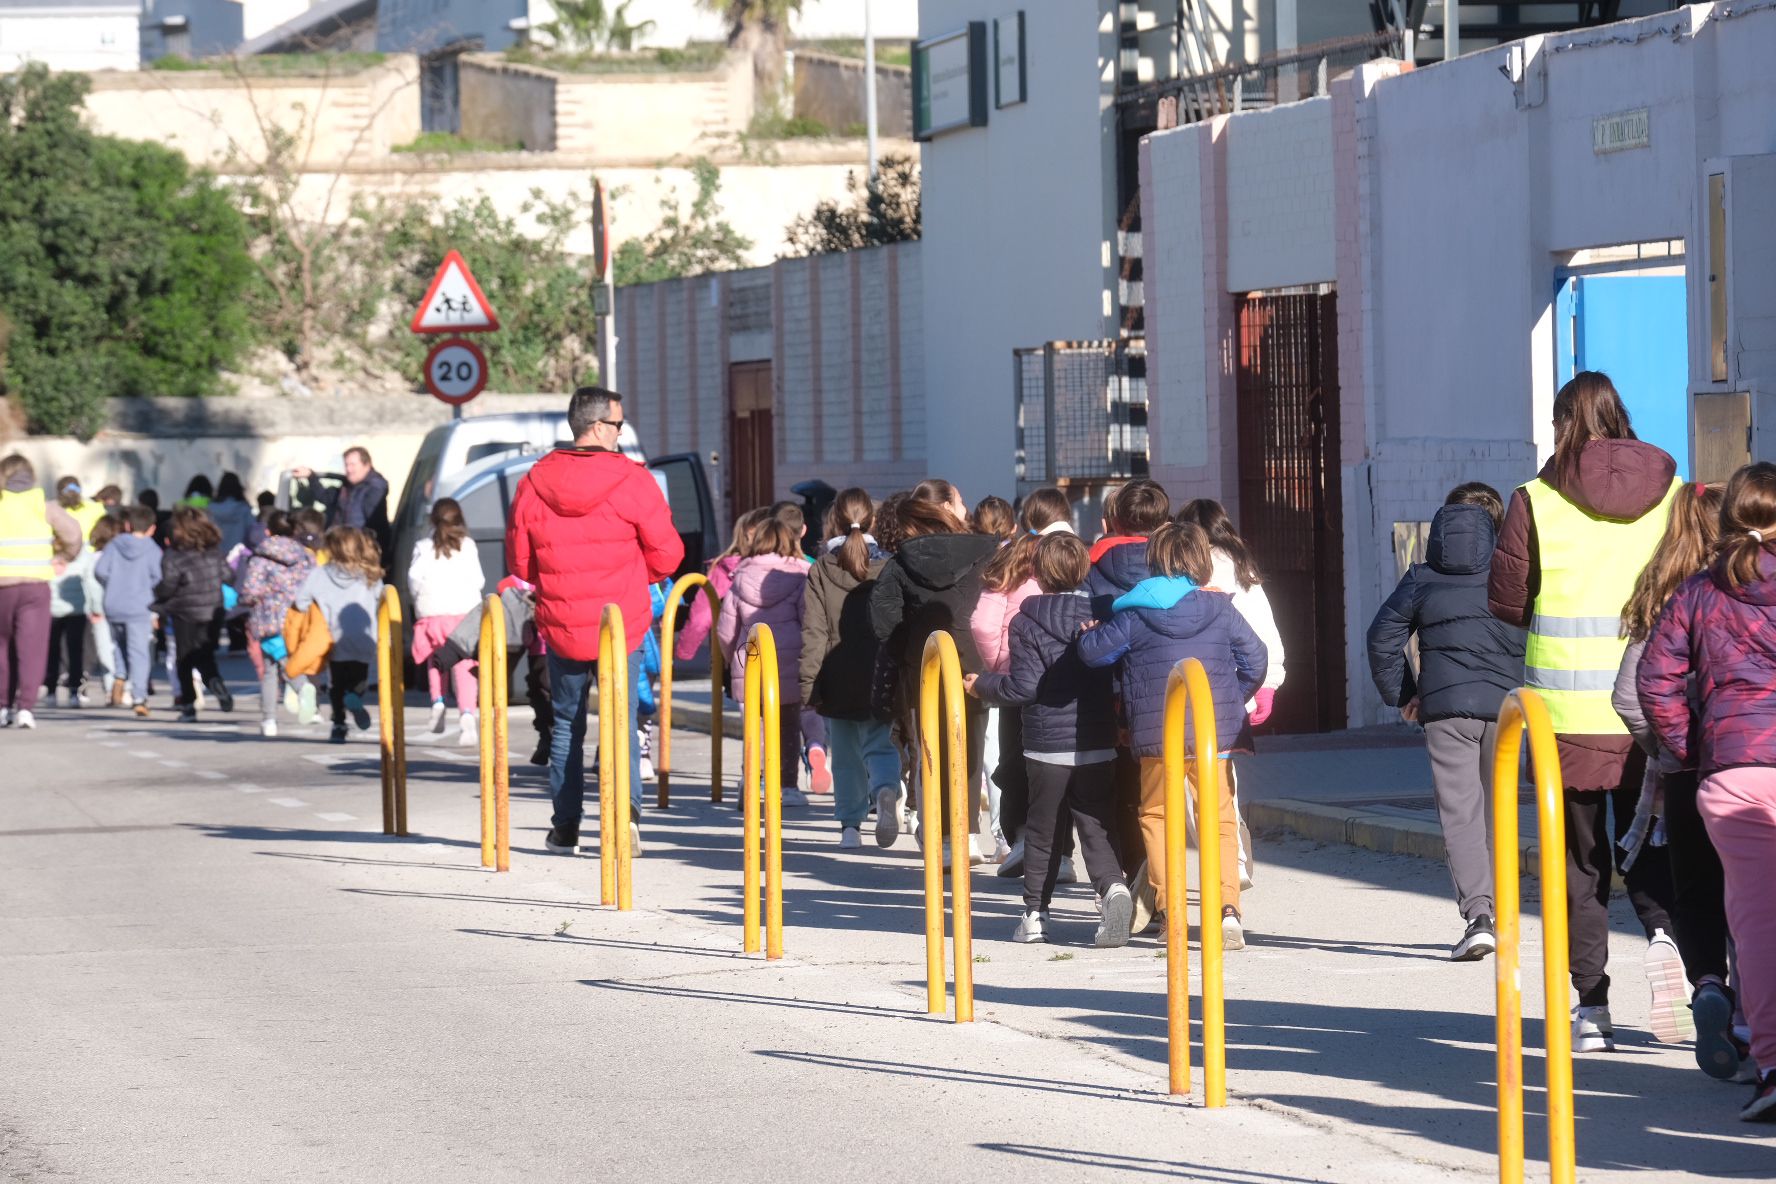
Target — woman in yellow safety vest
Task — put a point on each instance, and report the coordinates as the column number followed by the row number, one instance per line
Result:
column 73, row 499
column 35, row 534
column 1573, row 543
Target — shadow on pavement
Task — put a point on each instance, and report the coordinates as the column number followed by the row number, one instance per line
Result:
column 973, row 1076
column 706, row 996
column 1148, row 1167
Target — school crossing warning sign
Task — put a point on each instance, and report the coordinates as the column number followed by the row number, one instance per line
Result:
column 454, row 303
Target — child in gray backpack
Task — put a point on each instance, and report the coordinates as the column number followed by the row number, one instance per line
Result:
column 348, row 591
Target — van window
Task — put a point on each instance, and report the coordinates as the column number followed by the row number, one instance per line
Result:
column 483, row 508
column 479, row 452
column 681, row 494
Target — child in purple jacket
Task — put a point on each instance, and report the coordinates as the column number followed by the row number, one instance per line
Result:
column 1720, row 627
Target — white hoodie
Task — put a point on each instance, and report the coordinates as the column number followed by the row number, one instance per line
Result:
column 448, row 586
column 1254, row 606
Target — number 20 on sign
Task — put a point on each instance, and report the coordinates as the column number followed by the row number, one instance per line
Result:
column 455, row 370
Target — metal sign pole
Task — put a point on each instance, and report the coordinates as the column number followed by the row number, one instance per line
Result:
column 607, row 334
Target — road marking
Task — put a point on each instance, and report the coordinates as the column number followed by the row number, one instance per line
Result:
column 249, row 787
column 337, row 817
column 172, row 764
column 212, row 775
column 330, row 758
column 291, row 802
column 115, row 743
column 144, row 754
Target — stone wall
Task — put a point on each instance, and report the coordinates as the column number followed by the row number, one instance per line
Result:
column 507, row 103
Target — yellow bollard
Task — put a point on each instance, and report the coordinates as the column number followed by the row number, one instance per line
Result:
column 391, row 698
column 668, row 626
column 761, row 712
column 940, row 715
column 496, row 780
column 1187, row 688
column 616, row 866
column 1522, row 711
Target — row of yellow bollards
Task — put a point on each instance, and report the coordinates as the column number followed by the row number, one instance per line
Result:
column 943, row 740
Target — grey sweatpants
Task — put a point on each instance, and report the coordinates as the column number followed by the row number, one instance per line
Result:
column 133, row 642
column 1461, row 768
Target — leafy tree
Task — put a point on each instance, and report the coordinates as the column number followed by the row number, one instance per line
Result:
column 685, row 243
column 121, row 270
column 584, row 25
column 885, row 210
column 761, row 28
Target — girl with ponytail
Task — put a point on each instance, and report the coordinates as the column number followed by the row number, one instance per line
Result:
column 837, row 663
column 1704, row 683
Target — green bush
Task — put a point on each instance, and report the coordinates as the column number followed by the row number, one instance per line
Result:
column 121, row 270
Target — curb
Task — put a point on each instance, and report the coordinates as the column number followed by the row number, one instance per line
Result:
column 1366, row 829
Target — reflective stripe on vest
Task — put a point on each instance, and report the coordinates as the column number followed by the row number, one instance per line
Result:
column 27, row 544
column 1588, row 569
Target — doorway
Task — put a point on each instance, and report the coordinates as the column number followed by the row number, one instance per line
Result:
column 1634, row 328
column 751, row 437
column 1291, row 504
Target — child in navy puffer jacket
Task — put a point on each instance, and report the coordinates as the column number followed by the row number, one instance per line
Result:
column 1069, row 740
column 1157, row 624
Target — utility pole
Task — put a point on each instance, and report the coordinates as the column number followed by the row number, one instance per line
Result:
column 869, row 86
column 1452, row 29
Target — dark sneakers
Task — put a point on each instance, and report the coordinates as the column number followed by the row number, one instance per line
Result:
column 1718, row 1054
column 560, row 843
column 224, row 696
column 541, row 755
column 1476, row 943
column 1762, row 1107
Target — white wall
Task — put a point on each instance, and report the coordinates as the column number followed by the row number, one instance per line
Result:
column 679, row 22
column 262, row 16
column 1279, row 198
column 99, row 37
column 1019, row 217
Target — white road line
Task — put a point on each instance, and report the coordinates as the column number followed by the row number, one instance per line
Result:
column 144, row 754
column 251, row 788
column 337, row 817
column 329, row 758
column 212, row 775
column 171, row 764
column 290, row 802
column 115, row 743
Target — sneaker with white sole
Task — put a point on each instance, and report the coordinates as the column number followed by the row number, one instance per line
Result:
column 820, row 771
column 850, row 839
column 1012, row 865
column 292, row 702
column 24, row 719
column 1065, row 874
column 1592, row 1030
column 306, row 709
column 1118, row 908
column 471, row 730
column 438, row 712
column 793, row 796
column 635, row 840
column 1718, row 1053
column 1029, row 929
column 1146, row 903
column 1670, row 1016
column 1476, row 943
column 268, row 728
column 887, row 816
column 561, row 844
column 1233, row 934
column 1762, row 1107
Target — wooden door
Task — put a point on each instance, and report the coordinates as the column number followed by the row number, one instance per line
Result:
column 752, row 474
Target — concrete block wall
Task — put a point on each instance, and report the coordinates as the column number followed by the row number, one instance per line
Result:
column 507, row 103
column 830, row 89
column 1279, row 197
column 669, row 366
column 653, row 116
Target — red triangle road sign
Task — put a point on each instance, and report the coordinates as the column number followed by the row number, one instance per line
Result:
column 454, row 303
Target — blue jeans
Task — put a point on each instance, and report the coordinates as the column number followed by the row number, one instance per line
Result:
column 864, row 762
column 569, row 684
column 133, row 642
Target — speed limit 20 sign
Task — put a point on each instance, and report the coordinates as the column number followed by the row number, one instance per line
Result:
column 455, row 370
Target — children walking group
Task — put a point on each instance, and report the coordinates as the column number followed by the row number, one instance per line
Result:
column 1640, row 607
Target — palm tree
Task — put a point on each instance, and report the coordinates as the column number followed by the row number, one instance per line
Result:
column 761, row 28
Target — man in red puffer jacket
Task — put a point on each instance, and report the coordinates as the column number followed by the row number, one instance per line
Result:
column 589, row 527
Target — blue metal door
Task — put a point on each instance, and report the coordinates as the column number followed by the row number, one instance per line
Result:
column 1635, row 329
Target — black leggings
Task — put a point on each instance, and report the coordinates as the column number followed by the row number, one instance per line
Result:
column 1699, row 889
column 346, row 678
column 196, row 642
column 1062, row 797
column 67, row 638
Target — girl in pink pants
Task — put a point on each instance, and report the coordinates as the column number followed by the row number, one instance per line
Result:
column 446, row 582
column 1719, row 634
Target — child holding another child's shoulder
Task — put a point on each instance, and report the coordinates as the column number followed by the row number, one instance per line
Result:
column 1069, row 740
column 1154, row 626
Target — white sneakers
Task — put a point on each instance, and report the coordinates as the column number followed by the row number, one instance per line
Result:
column 24, row 719
column 1670, row 1016
column 850, row 840
column 887, row 816
column 1233, row 934
column 793, row 796
column 1592, row 1030
column 1118, row 916
column 1029, row 929
column 268, row 728
column 1013, row 863
column 437, row 724
column 471, row 730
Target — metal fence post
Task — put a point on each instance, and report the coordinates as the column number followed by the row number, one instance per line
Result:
column 391, row 698
column 614, row 738
column 668, row 627
column 1187, row 691
column 940, row 720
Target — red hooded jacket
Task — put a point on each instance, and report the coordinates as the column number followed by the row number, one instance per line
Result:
column 589, row 528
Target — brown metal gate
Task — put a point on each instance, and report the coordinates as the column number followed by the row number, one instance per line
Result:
column 752, row 437
column 1290, row 500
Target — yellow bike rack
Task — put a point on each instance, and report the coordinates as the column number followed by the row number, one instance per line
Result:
column 496, row 776
column 760, row 708
column 391, row 693
column 940, row 716
column 616, row 863
column 1188, row 687
column 1523, row 710
column 668, row 627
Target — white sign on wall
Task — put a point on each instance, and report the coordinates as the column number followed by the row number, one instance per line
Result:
column 1009, row 85
column 950, row 81
column 1620, row 132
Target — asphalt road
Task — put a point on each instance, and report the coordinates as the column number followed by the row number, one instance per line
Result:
column 214, row 966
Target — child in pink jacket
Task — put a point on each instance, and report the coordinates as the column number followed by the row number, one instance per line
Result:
column 721, row 578
column 769, row 587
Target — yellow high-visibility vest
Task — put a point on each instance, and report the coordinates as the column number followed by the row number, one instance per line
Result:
column 27, row 544
column 1589, row 565
column 88, row 515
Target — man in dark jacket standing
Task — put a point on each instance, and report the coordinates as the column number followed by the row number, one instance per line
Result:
column 1470, row 661
column 589, row 527
column 361, row 502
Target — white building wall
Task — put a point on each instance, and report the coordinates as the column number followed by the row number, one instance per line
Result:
column 97, row 37
column 1279, row 197
column 1019, row 221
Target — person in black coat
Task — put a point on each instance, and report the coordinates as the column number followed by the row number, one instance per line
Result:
column 1069, row 738
column 361, row 502
column 932, row 584
column 190, row 595
column 1470, row 660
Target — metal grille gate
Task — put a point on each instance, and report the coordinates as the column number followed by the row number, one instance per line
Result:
column 1290, row 498
column 1081, row 412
